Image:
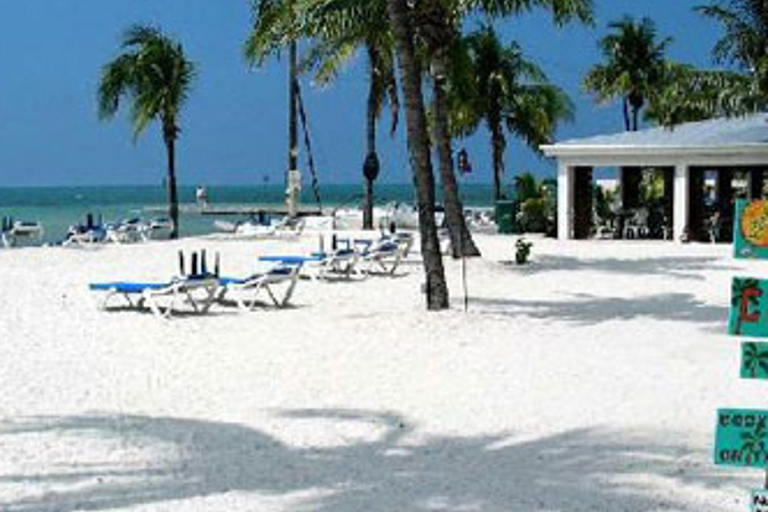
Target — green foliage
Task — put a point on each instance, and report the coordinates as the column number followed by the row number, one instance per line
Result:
column 522, row 251
column 689, row 94
column 538, row 203
column 154, row 74
column 634, row 66
column 496, row 84
column 604, row 202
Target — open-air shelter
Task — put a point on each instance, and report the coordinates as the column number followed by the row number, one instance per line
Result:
column 684, row 154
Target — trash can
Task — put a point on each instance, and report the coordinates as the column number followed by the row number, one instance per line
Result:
column 505, row 217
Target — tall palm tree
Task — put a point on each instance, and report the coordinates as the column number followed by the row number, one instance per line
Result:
column 156, row 77
column 419, row 149
column 496, row 85
column 438, row 25
column 634, row 67
column 337, row 29
column 336, row 41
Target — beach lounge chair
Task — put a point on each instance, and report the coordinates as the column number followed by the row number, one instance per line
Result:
column 246, row 291
column 323, row 265
column 90, row 233
column 17, row 232
column 384, row 254
column 197, row 291
column 128, row 231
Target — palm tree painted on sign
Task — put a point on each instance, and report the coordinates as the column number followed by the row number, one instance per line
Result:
column 739, row 290
column 753, row 444
column 754, row 359
column 155, row 75
column 634, row 67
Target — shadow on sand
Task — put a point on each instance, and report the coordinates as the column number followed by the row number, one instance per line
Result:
column 670, row 267
column 587, row 309
column 579, row 470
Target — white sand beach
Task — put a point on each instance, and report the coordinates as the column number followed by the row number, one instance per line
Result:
column 588, row 381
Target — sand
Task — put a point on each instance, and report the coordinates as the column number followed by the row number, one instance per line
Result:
column 587, row 381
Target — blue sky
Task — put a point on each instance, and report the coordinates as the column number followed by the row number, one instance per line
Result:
column 235, row 122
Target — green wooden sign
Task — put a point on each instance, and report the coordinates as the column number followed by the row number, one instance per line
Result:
column 754, row 360
column 741, row 438
column 749, row 307
column 750, row 230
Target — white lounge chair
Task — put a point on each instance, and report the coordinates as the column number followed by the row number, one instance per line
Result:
column 323, row 265
column 163, row 299
column 385, row 253
column 246, row 291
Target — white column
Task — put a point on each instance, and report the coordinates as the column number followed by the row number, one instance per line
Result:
column 564, row 202
column 680, row 206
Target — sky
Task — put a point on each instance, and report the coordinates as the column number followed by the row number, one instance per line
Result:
column 234, row 124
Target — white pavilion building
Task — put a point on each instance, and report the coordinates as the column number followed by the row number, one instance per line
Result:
column 685, row 154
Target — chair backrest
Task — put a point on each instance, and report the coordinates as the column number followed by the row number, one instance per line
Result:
column 199, row 265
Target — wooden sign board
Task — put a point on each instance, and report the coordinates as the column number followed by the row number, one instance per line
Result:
column 759, row 501
column 750, row 230
column 754, row 360
column 749, row 307
column 741, row 438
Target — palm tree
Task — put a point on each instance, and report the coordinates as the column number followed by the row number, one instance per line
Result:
column 690, row 94
column 745, row 42
column 498, row 86
column 336, row 42
column 155, row 75
column 634, row 67
column 419, row 149
column 753, row 444
column 338, row 28
column 754, row 359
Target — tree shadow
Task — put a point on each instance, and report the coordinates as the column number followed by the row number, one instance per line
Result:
column 688, row 268
column 586, row 309
column 579, row 470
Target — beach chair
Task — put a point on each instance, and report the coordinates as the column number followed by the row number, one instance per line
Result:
column 83, row 235
column 384, row 254
column 246, row 291
column 127, row 232
column 17, row 232
column 163, row 299
column 197, row 290
column 323, row 265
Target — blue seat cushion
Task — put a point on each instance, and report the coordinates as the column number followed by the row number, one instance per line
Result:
column 290, row 260
column 124, row 287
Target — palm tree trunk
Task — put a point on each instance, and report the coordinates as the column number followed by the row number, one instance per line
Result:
column 173, row 195
column 371, row 150
column 498, row 145
column 419, row 149
column 462, row 243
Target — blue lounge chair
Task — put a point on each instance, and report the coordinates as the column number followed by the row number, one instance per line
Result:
column 197, row 291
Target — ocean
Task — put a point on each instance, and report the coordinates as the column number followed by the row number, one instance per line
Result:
column 57, row 208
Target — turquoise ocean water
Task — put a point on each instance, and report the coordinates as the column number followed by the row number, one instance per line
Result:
column 60, row 207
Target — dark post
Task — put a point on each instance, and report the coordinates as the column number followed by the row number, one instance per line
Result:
column 583, row 192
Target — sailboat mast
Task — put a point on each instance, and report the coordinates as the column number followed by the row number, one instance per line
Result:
column 293, row 185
